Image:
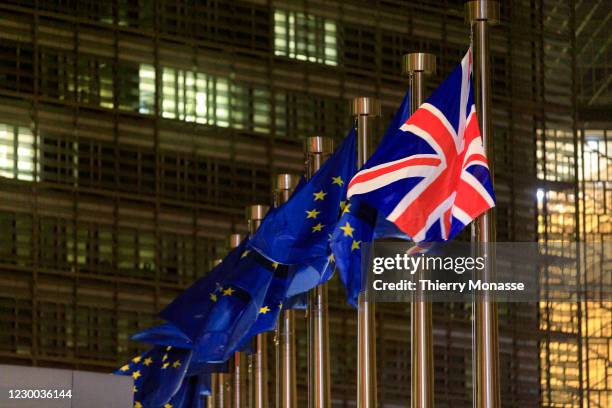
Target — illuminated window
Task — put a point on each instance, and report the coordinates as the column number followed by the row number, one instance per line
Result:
column 17, row 158
column 305, row 37
column 92, row 83
column 197, row 97
column 555, row 155
column 146, row 89
column 194, row 97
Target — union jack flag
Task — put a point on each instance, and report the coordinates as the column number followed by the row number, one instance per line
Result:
column 432, row 178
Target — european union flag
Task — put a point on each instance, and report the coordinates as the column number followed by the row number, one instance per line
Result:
column 190, row 310
column 356, row 227
column 222, row 304
column 270, row 308
column 168, row 334
column 192, row 392
column 235, row 308
column 158, row 375
column 308, row 275
column 298, row 231
column 360, row 223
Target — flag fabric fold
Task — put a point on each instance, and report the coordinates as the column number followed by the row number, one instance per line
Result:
column 354, row 230
column 236, row 308
column 297, row 232
column 158, row 374
column 427, row 180
column 190, row 310
column 430, row 177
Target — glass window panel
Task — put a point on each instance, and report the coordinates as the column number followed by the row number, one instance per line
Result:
column 305, row 37
column 17, row 153
column 146, row 89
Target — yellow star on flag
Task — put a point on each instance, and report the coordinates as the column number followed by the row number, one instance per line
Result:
column 213, row 297
column 166, row 365
column 338, row 180
column 137, row 405
column 165, row 357
column 136, row 374
column 348, row 230
column 176, row 364
column 317, row 227
column 320, row 195
column 168, row 348
column 136, row 359
column 168, row 405
column 280, row 305
column 346, row 209
column 312, row 213
column 245, row 253
column 331, row 258
column 147, row 361
column 264, row 310
column 228, row 292
column 355, row 245
column 275, row 265
column 342, row 204
column 134, row 389
column 125, row 367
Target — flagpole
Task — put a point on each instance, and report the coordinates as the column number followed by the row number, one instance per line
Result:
column 260, row 398
column 210, row 399
column 365, row 110
column 239, row 388
column 319, row 393
column 286, row 350
column 417, row 65
column 485, row 357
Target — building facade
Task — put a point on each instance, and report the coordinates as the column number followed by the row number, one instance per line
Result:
column 134, row 132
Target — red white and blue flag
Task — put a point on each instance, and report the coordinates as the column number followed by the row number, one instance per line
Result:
column 432, row 178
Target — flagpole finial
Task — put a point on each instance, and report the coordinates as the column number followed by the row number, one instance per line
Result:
column 256, row 212
column 286, row 181
column 483, row 10
column 235, row 240
column 418, row 62
column 319, row 145
column 365, row 106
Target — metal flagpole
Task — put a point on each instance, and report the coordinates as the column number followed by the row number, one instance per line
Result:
column 417, row 65
column 319, row 394
column 214, row 381
column 485, row 355
column 223, row 399
column 240, row 358
column 286, row 380
column 255, row 214
column 365, row 110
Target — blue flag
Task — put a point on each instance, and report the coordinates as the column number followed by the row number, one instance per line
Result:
column 236, row 308
column 355, row 228
column 189, row 311
column 168, row 334
column 218, row 309
column 158, row 375
column 360, row 223
column 308, row 275
column 298, row 231
column 270, row 309
column 192, row 392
